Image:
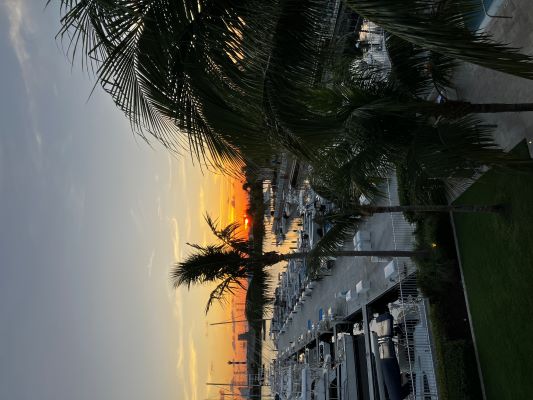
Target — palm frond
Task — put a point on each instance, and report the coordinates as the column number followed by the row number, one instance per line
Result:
column 343, row 226
column 176, row 69
column 417, row 187
column 455, row 148
column 228, row 235
column 348, row 172
column 210, row 263
column 220, row 294
column 299, row 51
column 442, row 27
column 418, row 71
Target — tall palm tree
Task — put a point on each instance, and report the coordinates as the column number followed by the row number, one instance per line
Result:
column 371, row 121
column 197, row 74
column 404, row 89
column 364, row 210
column 374, row 146
column 177, row 68
column 233, row 260
column 215, row 77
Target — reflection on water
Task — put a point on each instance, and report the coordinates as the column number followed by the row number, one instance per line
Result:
column 268, row 352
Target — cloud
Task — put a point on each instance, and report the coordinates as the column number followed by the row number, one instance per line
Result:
column 159, row 208
column 184, row 388
column 204, row 238
column 176, row 240
column 188, row 224
column 178, row 313
column 201, row 207
column 169, row 182
column 183, row 172
column 150, row 263
column 137, row 220
column 20, row 23
column 193, row 368
column 181, row 371
column 210, row 373
column 179, row 353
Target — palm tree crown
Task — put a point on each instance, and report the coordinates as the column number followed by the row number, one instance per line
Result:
column 208, row 264
column 229, row 263
column 217, row 77
column 379, row 119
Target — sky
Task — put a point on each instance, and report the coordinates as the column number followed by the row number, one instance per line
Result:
column 91, row 218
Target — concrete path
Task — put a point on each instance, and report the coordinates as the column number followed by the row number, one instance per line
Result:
column 478, row 84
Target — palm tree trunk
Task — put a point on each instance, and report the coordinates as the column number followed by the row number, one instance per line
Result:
column 360, row 253
column 460, row 108
column 428, row 208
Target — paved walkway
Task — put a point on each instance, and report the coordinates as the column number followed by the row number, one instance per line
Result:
column 478, row 84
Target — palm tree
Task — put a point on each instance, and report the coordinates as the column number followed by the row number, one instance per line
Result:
column 414, row 73
column 374, row 146
column 367, row 122
column 184, row 71
column 370, row 121
column 234, row 259
column 369, row 210
column 215, row 77
column 201, row 76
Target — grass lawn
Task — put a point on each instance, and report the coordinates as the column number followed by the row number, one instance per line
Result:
column 497, row 259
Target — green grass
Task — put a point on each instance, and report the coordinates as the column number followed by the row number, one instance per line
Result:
column 497, row 258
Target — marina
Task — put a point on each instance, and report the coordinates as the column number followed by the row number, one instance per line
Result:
column 327, row 331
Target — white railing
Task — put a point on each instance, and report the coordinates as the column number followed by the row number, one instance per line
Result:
column 414, row 349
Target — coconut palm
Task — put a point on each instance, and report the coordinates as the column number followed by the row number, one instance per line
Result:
column 363, row 210
column 194, row 74
column 215, row 77
column 233, row 260
column 368, row 120
column 176, row 67
column 374, row 146
column 414, row 73
column 379, row 119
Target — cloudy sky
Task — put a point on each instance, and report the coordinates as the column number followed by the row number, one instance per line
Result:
column 90, row 220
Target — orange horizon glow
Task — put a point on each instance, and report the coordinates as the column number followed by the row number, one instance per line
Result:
column 237, row 207
column 226, row 202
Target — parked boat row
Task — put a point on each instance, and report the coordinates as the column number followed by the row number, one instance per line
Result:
column 353, row 360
